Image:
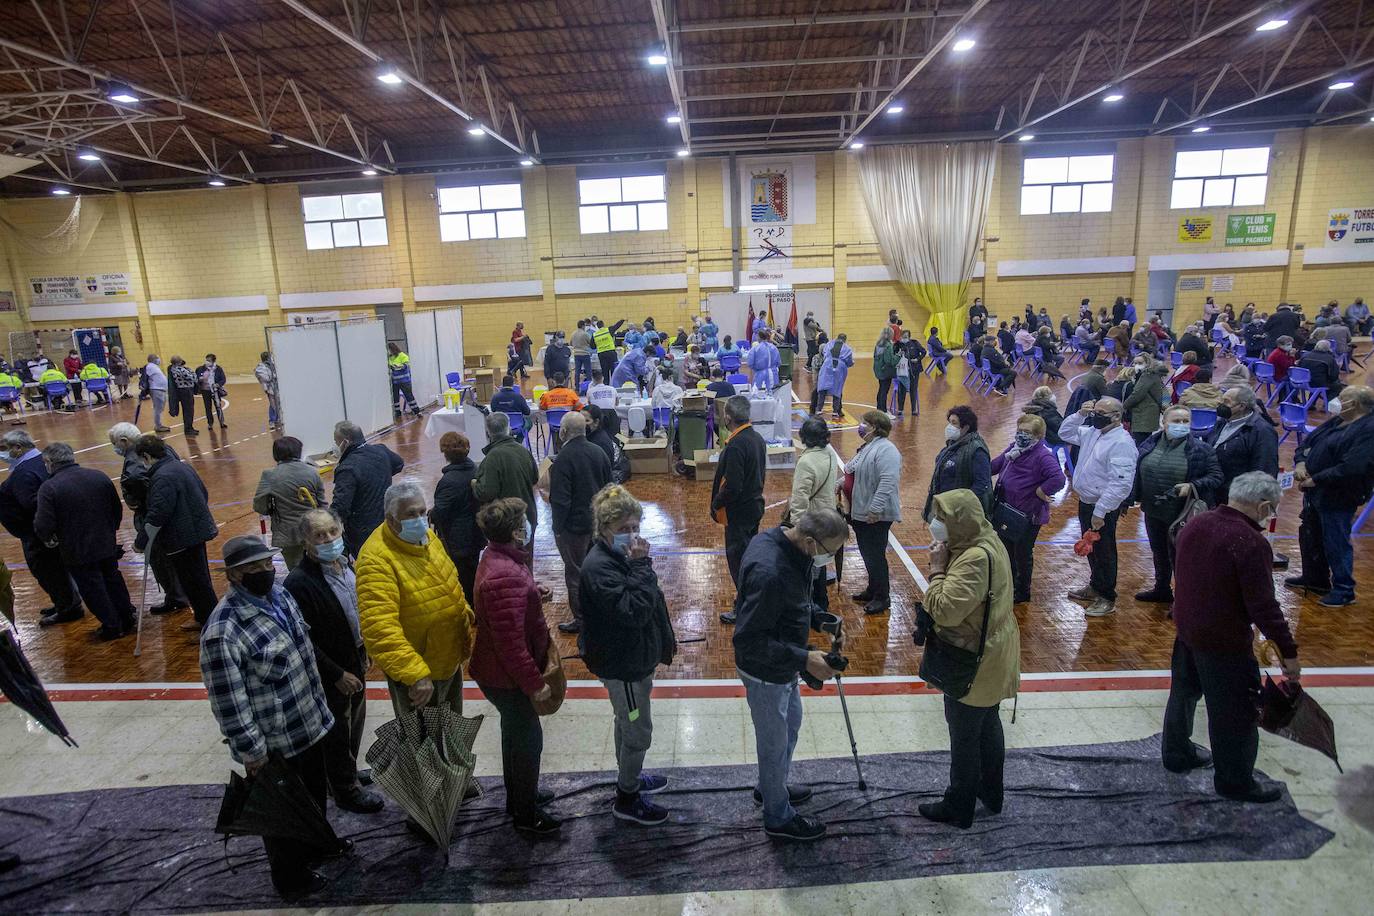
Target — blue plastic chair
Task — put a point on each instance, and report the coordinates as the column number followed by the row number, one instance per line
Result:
column 938, row 362
column 454, row 380
column 554, row 417
column 1264, row 377
column 1176, row 359
column 1109, row 346
column 1180, row 388
column 1362, row 517
column 663, row 419
column 99, row 386
column 1202, row 420
column 1221, row 340
column 971, row 373
column 987, row 379
column 519, row 428
column 1300, row 389
column 11, row 395
column 1037, row 358
column 738, row 378
column 55, row 390
column 729, row 362
column 1063, row 453
column 1293, row 418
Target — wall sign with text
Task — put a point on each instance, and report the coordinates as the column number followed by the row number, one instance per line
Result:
column 1250, row 229
column 1350, row 226
column 1195, row 228
column 78, row 289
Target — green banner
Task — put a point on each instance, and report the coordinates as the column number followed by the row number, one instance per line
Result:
column 1250, row 229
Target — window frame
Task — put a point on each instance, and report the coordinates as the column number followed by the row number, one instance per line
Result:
column 1200, row 187
column 615, row 215
column 1059, row 190
column 345, row 231
column 482, row 215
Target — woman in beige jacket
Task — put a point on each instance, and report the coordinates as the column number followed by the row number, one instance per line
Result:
column 970, row 570
column 814, row 484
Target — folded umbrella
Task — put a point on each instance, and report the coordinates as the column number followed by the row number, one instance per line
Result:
column 21, row 686
column 1286, row 710
column 424, row 762
column 274, row 803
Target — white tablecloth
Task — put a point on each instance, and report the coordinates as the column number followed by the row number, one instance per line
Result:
column 466, row 420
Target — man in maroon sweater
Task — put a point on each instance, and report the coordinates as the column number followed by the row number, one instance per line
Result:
column 1224, row 584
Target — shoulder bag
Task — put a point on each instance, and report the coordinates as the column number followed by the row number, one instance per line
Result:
column 946, row 667
column 1010, row 523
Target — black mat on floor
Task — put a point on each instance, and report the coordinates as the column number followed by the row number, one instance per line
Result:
column 1105, row 804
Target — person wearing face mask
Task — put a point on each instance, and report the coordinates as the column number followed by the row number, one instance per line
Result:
column 1102, row 479
column 1243, row 437
column 507, row 469
column 178, row 521
column 737, row 489
column 133, row 488
column 963, row 462
column 908, row 382
column 875, row 503
column 266, row 374
column 1028, row 476
column 416, row 622
column 1147, row 393
column 814, row 484
column 285, row 492
column 454, row 515
column 509, row 655
column 1225, row 590
column 210, row 381
column 325, row 590
column 969, row 602
column 182, row 387
column 1171, row 465
column 576, row 476
column 361, row 477
column 626, row 635
column 18, row 506
column 257, row 631
column 837, row 358
column 71, row 367
column 1335, row 472
column 1282, row 357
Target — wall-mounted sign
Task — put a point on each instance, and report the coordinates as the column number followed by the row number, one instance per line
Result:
column 1350, row 226
column 1250, row 229
column 1186, row 284
column 1223, row 283
column 78, row 289
column 1196, row 228
column 7, row 303
column 297, row 319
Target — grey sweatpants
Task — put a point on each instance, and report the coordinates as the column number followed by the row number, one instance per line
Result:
column 632, row 739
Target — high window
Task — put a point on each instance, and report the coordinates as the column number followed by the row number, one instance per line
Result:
column 1220, row 178
column 634, row 203
column 1067, row 184
column 344, row 220
column 488, row 211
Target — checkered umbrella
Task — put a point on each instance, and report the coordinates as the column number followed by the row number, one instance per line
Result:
column 424, row 762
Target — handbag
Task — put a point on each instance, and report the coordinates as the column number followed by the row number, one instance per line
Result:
column 557, row 680
column 1010, row 522
column 944, row 666
column 1191, row 509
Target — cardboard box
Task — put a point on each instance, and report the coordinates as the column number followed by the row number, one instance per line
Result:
column 781, row 457
column 483, row 385
column 649, row 456
column 704, row 461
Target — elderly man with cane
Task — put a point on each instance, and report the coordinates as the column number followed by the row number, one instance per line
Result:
column 771, row 652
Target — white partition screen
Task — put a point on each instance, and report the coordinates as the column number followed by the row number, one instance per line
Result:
column 448, row 331
column 309, row 384
column 423, row 349
column 366, row 379
column 730, row 312
column 817, row 301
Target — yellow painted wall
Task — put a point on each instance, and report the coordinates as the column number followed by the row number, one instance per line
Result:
column 251, row 241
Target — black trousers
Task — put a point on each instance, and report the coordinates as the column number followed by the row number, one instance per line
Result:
column 738, row 534
column 399, row 389
column 77, row 390
column 193, row 572
column 913, row 388
column 467, row 575
column 344, row 740
column 607, row 360
column 163, row 573
column 977, row 752
column 105, row 593
column 1230, row 684
column 1157, row 530
column 1311, row 546
column 884, row 387
column 183, row 404
column 1022, row 553
column 46, row 565
column 872, row 540
column 522, row 744
column 290, row 859
column 1139, row 437
column 572, row 548
column 817, row 402
column 1102, row 561
column 212, row 408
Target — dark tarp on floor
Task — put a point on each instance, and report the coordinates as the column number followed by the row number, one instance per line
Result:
column 1106, row 804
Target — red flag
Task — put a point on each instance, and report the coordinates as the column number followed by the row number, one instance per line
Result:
column 792, row 339
column 749, row 323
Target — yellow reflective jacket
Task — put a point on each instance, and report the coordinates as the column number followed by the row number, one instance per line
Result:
column 52, row 375
column 415, row 621
column 93, row 370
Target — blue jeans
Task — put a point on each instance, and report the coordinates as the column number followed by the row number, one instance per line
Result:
column 582, row 369
column 1340, row 555
column 777, row 713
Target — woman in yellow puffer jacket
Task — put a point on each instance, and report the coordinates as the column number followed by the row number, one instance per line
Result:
column 415, row 622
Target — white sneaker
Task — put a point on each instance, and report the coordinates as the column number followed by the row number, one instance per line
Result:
column 1101, row 608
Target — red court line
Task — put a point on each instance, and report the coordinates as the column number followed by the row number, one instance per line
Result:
column 728, row 689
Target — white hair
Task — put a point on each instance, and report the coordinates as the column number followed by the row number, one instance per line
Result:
column 1254, row 488
column 398, row 493
column 123, row 430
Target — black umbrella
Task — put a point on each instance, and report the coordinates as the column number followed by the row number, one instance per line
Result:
column 1286, row 710
column 22, row 688
column 274, row 803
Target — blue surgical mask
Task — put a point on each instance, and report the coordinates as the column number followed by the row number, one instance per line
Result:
column 622, row 542
column 328, row 553
column 1176, row 430
column 6, row 457
column 415, row 530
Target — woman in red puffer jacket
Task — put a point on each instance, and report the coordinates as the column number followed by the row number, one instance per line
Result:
column 509, row 654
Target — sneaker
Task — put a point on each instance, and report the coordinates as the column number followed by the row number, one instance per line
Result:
column 1300, row 582
column 542, row 824
column 1332, row 600
column 728, row 618
column 649, row 784
column 224, row 426
column 1155, row 596
column 1085, row 593
column 801, row 828
column 796, row 795
column 571, row 626
column 638, row 809
column 1101, row 608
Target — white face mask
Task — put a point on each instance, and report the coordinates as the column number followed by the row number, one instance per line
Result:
column 938, row 531
column 1333, row 406
column 951, row 432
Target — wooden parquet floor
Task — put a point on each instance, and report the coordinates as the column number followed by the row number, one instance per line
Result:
column 687, row 547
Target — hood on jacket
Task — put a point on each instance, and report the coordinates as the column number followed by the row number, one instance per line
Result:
column 962, row 513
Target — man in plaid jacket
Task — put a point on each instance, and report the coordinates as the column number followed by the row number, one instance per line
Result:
column 265, row 691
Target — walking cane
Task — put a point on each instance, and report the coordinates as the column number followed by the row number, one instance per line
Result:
column 839, row 688
column 142, row 603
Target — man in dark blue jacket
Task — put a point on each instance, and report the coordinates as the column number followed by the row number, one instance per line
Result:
column 737, row 489
column 773, row 622
column 509, row 399
column 1335, row 471
column 360, row 480
column 178, row 520
column 79, row 512
column 18, row 505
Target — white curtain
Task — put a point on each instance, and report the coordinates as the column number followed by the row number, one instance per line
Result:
column 928, row 204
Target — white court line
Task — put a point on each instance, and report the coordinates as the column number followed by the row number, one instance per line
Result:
column 910, row 564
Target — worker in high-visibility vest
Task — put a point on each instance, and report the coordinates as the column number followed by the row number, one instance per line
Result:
column 95, row 370
column 399, row 364
column 604, row 339
column 10, row 380
column 50, row 375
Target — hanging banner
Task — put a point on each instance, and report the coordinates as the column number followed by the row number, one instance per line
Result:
column 7, row 303
column 297, row 319
column 76, row 290
column 768, row 251
column 1195, row 228
column 1250, row 229
column 1350, row 226
column 774, row 191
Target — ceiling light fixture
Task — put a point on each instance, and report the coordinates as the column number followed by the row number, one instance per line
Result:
column 1341, row 84
column 277, row 141
column 390, row 77
column 118, row 92
column 1025, row 138
column 1113, row 97
column 216, row 182
column 657, row 60
column 895, row 109
column 88, row 155
column 856, row 144
column 1270, row 25
column 477, row 131
column 527, row 162
column 369, row 172
column 61, row 192
column 673, row 119
column 683, row 152
column 963, row 44
column 1201, row 129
